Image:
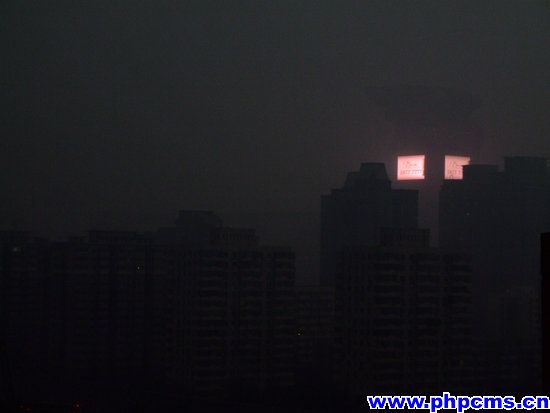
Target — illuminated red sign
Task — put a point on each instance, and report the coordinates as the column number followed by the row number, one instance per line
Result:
column 410, row 167
column 453, row 166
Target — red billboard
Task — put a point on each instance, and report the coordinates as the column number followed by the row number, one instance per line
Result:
column 410, row 167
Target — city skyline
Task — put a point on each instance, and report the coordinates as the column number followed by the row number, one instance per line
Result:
column 272, row 206
column 202, row 311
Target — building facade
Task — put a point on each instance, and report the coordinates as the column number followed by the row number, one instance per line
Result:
column 355, row 213
column 498, row 216
column 403, row 317
column 197, row 310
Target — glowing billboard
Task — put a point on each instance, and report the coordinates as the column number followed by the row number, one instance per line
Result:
column 453, row 166
column 410, row 167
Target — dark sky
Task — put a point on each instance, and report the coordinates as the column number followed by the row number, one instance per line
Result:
column 129, row 111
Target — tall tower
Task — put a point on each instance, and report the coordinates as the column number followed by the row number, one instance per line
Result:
column 498, row 216
column 545, row 298
column 354, row 214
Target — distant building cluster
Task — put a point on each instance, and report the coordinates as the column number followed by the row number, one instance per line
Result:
column 200, row 310
column 401, row 306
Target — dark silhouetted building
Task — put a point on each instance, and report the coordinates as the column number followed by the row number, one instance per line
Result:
column 430, row 121
column 235, row 333
column 355, row 213
column 498, row 216
column 315, row 338
column 545, row 298
column 403, row 317
column 24, row 316
column 89, row 315
column 197, row 310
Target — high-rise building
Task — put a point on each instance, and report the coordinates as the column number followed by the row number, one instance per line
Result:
column 235, row 334
column 403, row 317
column 23, row 316
column 355, row 213
column 498, row 216
column 545, row 298
column 110, row 306
column 315, row 330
